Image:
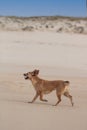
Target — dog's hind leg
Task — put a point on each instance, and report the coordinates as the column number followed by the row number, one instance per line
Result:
column 59, row 100
column 36, row 96
column 69, row 96
column 41, row 98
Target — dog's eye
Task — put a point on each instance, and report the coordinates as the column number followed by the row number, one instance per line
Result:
column 33, row 74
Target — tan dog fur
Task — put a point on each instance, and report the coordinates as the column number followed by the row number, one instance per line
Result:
column 44, row 87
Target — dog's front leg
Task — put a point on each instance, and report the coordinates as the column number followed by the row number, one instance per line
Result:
column 36, row 96
column 41, row 98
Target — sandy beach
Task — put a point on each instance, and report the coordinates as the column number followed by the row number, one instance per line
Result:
column 57, row 56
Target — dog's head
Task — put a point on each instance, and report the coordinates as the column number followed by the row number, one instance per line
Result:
column 29, row 75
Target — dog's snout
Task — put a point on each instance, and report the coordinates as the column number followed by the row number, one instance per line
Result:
column 24, row 74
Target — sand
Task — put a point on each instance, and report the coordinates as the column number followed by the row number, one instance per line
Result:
column 57, row 56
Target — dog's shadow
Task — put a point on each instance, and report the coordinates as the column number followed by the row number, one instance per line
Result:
column 23, row 101
column 35, row 103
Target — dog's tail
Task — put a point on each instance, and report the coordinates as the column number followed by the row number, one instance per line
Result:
column 66, row 83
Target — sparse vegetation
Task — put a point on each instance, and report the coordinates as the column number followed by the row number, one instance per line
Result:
column 60, row 29
column 53, row 23
column 47, row 26
column 28, row 28
column 79, row 29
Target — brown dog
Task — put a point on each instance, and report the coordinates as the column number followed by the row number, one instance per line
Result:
column 44, row 87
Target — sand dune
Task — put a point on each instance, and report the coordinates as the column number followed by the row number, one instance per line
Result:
column 58, row 56
column 56, row 24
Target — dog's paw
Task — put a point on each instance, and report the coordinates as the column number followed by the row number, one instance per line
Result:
column 45, row 100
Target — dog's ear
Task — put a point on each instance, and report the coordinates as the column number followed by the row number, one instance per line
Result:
column 36, row 72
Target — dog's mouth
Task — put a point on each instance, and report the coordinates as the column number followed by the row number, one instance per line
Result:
column 26, row 78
